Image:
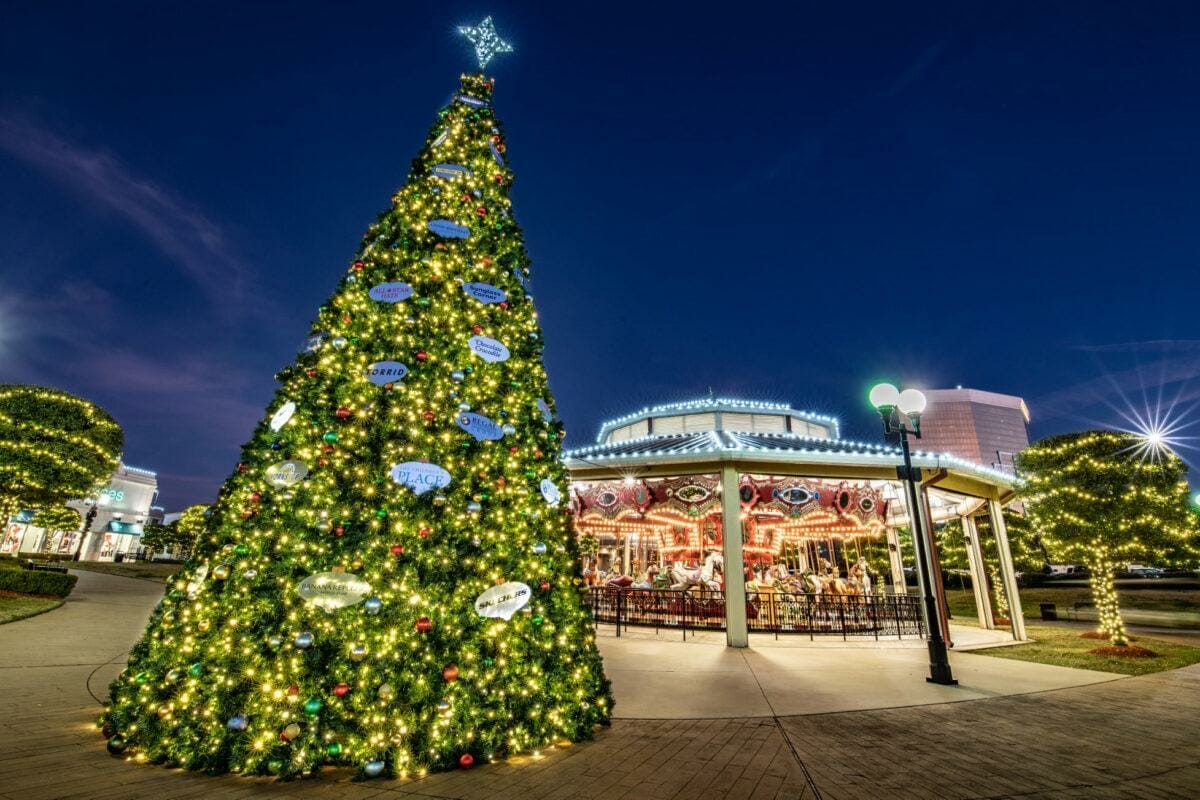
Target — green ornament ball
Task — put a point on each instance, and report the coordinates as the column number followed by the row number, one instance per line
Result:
column 275, row 766
column 241, row 549
column 330, row 437
column 538, row 619
column 334, row 750
column 195, row 669
column 141, row 678
column 312, row 706
column 381, row 513
column 117, row 745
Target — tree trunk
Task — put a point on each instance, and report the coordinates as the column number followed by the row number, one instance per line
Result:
column 1104, row 595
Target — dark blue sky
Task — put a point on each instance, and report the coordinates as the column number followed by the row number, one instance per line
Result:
column 781, row 201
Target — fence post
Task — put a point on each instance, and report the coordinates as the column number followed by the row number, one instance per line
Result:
column 841, row 607
column 618, row 591
column 896, row 615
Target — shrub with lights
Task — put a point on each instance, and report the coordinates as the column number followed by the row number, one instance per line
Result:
column 388, row 579
column 1105, row 499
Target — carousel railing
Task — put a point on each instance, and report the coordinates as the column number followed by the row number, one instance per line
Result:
column 766, row 612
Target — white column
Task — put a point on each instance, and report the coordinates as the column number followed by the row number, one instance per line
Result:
column 1007, row 572
column 896, row 559
column 979, row 579
column 735, row 576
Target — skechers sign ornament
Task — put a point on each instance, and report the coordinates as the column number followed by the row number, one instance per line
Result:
column 479, row 426
column 390, row 292
column 550, row 492
column 333, row 590
column 450, row 171
column 485, row 292
column 501, row 602
column 286, row 473
column 420, row 476
column 473, row 102
column 281, row 417
column 449, row 230
column 381, row 373
column 489, row 350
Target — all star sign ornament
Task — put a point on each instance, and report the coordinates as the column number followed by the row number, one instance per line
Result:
column 550, row 492
column 489, row 350
column 501, row 602
column 479, row 426
column 420, row 476
column 286, row 473
column 281, row 417
column 333, row 590
column 394, row 292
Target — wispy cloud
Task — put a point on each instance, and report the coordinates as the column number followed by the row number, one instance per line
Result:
column 194, row 242
column 1149, row 346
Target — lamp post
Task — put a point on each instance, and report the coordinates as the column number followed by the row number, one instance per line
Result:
column 895, row 407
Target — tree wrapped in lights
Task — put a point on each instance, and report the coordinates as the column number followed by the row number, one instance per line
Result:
column 54, row 447
column 56, row 519
column 1101, row 498
column 388, row 579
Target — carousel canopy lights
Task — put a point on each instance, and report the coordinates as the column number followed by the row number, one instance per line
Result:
column 487, row 42
column 723, row 405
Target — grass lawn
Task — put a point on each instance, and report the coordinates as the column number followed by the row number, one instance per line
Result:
column 19, row 606
column 1064, row 647
column 147, row 570
column 962, row 601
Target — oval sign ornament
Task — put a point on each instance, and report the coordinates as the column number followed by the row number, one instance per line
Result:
column 489, row 350
column 381, row 373
column 420, row 476
column 501, row 602
column 333, row 590
column 450, row 171
column 544, row 407
column 480, row 426
column 449, row 230
column 550, row 492
column 281, row 417
column 286, row 473
column 395, row 292
column 485, row 292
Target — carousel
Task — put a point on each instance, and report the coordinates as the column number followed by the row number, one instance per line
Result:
column 818, row 522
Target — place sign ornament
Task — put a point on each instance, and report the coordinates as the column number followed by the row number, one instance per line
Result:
column 420, row 476
column 501, row 602
column 485, row 292
column 449, row 230
column 286, row 473
column 394, row 292
column 489, row 350
column 333, row 590
column 381, row 373
column 281, row 417
column 450, row 171
column 479, row 426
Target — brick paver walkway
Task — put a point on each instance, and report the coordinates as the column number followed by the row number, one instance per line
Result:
column 1133, row 738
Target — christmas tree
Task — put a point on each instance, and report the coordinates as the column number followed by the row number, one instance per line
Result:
column 388, row 579
column 1107, row 499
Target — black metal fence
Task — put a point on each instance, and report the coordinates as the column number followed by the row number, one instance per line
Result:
column 766, row 612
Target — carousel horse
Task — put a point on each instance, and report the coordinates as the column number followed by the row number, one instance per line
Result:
column 703, row 576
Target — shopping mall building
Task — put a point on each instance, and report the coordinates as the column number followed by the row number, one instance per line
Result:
column 821, row 544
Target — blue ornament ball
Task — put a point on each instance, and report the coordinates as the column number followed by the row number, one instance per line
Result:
column 304, row 641
column 457, row 376
column 539, row 549
column 373, row 769
column 238, row 722
column 372, row 605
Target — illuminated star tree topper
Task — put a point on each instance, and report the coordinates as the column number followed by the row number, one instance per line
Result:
column 486, row 41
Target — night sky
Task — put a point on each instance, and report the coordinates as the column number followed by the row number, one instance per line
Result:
column 778, row 202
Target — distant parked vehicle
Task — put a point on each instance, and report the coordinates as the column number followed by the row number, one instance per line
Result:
column 1145, row 572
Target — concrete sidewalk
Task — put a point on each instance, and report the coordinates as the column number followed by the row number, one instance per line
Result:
column 1118, row 738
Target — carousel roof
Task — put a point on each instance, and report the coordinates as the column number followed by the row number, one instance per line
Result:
column 717, row 445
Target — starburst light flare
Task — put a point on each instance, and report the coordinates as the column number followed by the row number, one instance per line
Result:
column 486, row 41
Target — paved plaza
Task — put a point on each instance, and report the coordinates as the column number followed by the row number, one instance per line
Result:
column 1118, row 738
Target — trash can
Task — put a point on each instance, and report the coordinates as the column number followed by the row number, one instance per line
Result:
column 119, row 557
column 1049, row 611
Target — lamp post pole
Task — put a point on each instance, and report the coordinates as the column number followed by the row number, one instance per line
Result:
column 891, row 403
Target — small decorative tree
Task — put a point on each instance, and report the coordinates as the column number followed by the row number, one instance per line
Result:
column 1106, row 498
column 186, row 530
column 55, row 519
column 157, row 537
column 54, row 447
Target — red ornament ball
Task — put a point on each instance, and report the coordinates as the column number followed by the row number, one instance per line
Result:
column 312, row 373
column 341, row 690
column 544, row 586
column 422, row 355
column 481, row 211
column 424, row 625
column 293, row 690
column 429, row 416
column 440, row 246
column 466, row 761
column 340, row 530
column 503, row 305
column 496, row 138
column 498, row 178
column 487, row 261
column 358, row 266
column 242, row 467
column 396, row 549
column 345, row 319
column 476, row 329
column 450, row 673
column 322, row 462
column 514, row 449
column 343, row 413
column 424, row 533
column 326, row 448
column 256, row 497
